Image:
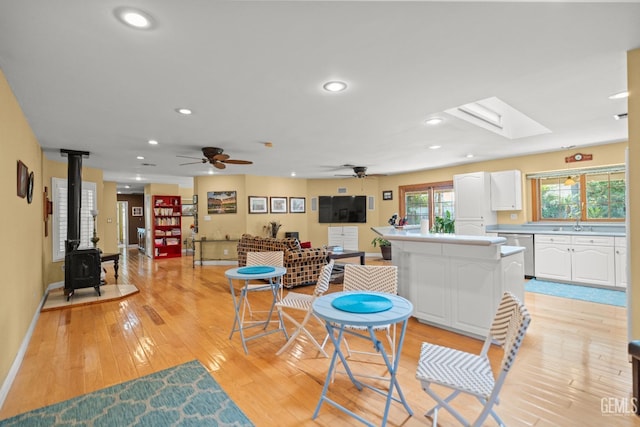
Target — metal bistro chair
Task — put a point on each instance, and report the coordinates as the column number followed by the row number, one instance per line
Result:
column 303, row 302
column 274, row 258
column 470, row 373
column 374, row 278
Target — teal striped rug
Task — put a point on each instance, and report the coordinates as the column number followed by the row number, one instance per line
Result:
column 185, row 395
column 584, row 293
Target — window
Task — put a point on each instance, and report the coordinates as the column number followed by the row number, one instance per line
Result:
column 59, row 222
column 597, row 195
column 426, row 201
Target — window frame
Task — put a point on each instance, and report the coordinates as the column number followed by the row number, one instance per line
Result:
column 582, row 180
column 425, row 188
column 58, row 236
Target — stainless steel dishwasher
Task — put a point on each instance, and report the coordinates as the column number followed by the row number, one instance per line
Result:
column 526, row 241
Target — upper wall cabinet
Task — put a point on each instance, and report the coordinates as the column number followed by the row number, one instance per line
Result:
column 506, row 190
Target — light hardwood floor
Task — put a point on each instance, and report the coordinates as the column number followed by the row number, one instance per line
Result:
column 573, row 356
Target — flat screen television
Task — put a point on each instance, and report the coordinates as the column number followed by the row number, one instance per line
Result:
column 339, row 209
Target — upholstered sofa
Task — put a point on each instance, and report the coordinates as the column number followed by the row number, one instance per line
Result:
column 303, row 265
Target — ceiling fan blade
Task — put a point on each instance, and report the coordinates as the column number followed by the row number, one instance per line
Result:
column 190, row 157
column 218, row 165
column 237, row 162
column 376, row 174
column 345, row 175
column 221, row 157
column 192, row 163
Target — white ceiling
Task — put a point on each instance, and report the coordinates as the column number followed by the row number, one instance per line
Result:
column 252, row 71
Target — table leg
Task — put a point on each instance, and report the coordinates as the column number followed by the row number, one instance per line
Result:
column 362, row 259
column 391, row 367
column 115, row 267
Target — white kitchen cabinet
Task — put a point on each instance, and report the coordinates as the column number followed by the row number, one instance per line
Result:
column 620, row 256
column 580, row 259
column 345, row 237
column 553, row 257
column 473, row 203
column 455, row 283
column 506, row 190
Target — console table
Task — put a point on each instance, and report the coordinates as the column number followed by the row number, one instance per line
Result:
column 231, row 254
column 346, row 254
column 112, row 257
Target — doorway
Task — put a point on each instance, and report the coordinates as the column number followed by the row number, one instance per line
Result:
column 123, row 224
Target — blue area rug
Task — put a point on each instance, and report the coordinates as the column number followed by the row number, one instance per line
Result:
column 185, row 395
column 584, row 293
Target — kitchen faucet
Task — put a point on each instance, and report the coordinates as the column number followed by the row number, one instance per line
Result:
column 577, row 226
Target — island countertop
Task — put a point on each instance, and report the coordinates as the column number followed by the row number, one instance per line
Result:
column 412, row 233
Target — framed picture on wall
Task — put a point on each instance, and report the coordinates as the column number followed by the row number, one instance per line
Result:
column 23, row 179
column 257, row 204
column 188, row 209
column 221, row 202
column 136, row 211
column 297, row 204
column 387, row 195
column 278, row 205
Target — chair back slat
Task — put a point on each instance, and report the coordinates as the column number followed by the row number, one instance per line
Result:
column 322, row 285
column 376, row 278
column 274, row 258
column 509, row 327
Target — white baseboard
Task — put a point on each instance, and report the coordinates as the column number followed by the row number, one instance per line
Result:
column 13, row 371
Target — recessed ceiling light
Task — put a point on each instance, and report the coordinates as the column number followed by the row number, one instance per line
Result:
column 210, row 172
column 127, row 186
column 140, row 158
column 433, row 121
column 619, row 95
column 153, row 142
column 434, row 147
column 134, row 18
column 293, row 174
column 469, row 156
column 334, row 86
column 138, row 178
column 184, row 111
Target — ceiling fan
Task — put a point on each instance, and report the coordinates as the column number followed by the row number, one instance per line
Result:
column 216, row 157
column 361, row 172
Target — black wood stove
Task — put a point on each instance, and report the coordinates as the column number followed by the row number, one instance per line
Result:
column 81, row 266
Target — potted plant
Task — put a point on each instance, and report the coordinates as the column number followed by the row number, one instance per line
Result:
column 444, row 224
column 385, row 247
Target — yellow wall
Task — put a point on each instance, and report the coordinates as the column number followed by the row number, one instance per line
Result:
column 633, row 233
column 21, row 252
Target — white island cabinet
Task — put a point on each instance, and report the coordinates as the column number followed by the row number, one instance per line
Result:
column 455, row 282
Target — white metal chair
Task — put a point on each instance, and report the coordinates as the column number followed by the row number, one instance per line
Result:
column 470, row 373
column 303, row 302
column 274, row 258
column 374, row 278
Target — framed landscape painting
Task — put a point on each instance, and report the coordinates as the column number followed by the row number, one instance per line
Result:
column 278, row 205
column 257, row 204
column 297, row 204
column 221, row 202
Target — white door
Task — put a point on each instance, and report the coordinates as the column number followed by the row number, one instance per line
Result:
column 123, row 223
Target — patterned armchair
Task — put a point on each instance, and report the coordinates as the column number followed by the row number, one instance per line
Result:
column 303, row 265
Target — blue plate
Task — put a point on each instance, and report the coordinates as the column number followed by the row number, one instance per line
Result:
column 257, row 269
column 362, row 303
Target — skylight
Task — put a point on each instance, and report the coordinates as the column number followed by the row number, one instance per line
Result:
column 497, row 116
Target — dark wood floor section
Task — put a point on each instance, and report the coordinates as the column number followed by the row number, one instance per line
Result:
column 573, row 356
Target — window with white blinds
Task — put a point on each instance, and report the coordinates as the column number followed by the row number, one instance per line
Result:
column 59, row 228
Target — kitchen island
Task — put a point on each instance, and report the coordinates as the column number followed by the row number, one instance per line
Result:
column 455, row 281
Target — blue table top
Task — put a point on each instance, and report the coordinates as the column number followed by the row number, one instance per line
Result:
column 400, row 311
column 235, row 274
